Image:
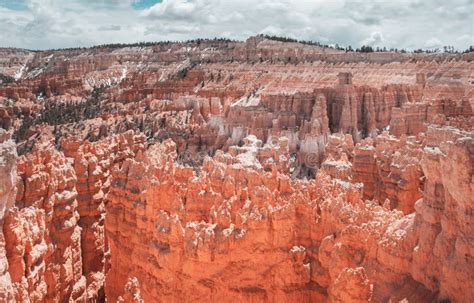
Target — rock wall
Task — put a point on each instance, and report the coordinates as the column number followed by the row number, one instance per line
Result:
column 412, row 246
column 53, row 239
column 93, row 163
column 43, row 238
column 7, row 200
column 235, row 171
column 387, row 167
column 209, row 230
column 443, row 256
column 309, row 240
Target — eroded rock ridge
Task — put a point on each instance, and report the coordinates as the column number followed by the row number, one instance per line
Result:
column 227, row 171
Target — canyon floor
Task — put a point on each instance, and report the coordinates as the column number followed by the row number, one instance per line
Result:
column 226, row 171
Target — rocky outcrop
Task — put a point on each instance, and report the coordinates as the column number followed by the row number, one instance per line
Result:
column 389, row 169
column 235, row 171
column 8, row 172
column 54, row 231
column 230, row 90
column 93, row 163
column 408, row 120
column 220, row 226
column 43, row 239
column 386, row 166
column 412, row 119
column 444, row 215
column 7, row 200
column 131, row 292
column 350, row 250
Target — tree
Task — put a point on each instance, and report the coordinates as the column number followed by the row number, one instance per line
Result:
column 366, row 49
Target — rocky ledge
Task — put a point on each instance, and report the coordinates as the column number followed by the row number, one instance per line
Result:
column 258, row 171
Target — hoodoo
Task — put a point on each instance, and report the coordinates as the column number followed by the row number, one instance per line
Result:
column 226, row 171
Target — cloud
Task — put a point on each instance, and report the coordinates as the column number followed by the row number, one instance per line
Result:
column 375, row 38
column 109, row 28
column 171, row 9
column 39, row 24
column 433, row 43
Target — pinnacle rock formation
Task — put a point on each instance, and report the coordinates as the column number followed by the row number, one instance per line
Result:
column 216, row 170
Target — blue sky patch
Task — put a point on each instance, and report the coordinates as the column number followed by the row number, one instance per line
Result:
column 17, row 5
column 20, row 5
column 141, row 4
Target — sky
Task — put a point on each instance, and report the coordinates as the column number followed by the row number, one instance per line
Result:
column 409, row 24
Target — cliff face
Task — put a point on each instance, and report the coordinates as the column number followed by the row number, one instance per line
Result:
column 7, row 200
column 445, row 214
column 208, row 231
column 53, row 234
column 309, row 240
column 41, row 231
column 389, row 169
column 93, row 164
column 235, row 171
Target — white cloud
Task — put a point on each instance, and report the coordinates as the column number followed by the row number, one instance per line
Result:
column 375, row 39
column 433, row 43
column 398, row 24
column 273, row 31
column 178, row 10
column 111, row 27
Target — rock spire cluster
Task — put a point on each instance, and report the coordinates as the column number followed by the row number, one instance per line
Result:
column 257, row 171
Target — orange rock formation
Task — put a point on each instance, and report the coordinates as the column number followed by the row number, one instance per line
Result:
column 254, row 171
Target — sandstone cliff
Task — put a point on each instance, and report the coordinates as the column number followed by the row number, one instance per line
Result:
column 235, row 171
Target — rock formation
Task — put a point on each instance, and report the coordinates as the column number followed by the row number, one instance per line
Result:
column 93, row 163
column 7, row 200
column 41, row 232
column 215, row 170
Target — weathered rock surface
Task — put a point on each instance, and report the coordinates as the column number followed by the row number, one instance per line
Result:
column 235, row 171
column 42, row 235
column 7, row 200
column 349, row 250
column 93, row 163
column 444, row 253
column 207, row 231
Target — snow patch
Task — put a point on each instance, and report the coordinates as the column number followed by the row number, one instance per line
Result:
column 19, row 72
column 124, row 74
column 228, row 231
column 296, row 248
column 246, row 102
column 35, row 73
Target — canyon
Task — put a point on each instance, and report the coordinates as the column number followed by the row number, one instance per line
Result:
column 218, row 170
